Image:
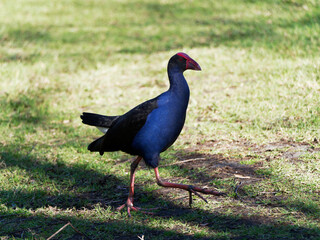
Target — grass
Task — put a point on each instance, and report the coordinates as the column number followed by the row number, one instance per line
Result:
column 253, row 119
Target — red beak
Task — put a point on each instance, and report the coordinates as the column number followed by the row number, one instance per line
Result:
column 192, row 64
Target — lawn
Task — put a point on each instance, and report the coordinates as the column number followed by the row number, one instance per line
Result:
column 252, row 128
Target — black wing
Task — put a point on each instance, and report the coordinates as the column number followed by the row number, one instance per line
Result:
column 122, row 132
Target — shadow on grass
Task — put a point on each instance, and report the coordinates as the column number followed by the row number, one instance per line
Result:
column 28, row 107
column 82, row 189
column 176, row 26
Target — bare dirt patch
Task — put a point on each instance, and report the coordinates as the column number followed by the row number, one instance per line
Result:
column 236, row 153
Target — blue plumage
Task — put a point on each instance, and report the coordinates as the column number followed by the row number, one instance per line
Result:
column 163, row 124
column 153, row 126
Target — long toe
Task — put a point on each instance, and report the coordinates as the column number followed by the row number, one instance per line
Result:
column 130, row 208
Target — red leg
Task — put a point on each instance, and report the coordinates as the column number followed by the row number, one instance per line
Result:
column 191, row 189
column 129, row 202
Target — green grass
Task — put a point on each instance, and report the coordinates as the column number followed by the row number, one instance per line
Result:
column 253, row 120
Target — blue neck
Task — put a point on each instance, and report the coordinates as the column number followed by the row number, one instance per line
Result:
column 178, row 84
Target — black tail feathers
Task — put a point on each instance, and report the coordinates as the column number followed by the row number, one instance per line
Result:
column 98, row 120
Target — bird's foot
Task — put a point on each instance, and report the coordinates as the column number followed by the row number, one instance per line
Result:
column 195, row 190
column 129, row 205
column 191, row 190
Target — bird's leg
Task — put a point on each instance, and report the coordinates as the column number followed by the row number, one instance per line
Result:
column 129, row 203
column 191, row 189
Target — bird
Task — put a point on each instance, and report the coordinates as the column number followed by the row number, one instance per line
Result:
column 149, row 128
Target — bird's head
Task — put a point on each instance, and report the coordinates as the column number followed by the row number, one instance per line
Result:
column 184, row 62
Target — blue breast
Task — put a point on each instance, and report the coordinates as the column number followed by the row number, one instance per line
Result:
column 163, row 124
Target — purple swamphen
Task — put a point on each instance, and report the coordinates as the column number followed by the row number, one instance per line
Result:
column 149, row 128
